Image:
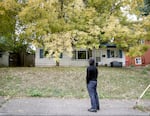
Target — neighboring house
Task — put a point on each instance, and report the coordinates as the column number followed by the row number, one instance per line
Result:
column 4, row 58
column 141, row 60
column 103, row 56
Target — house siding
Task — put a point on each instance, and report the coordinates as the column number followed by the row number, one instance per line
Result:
column 106, row 59
column 100, row 56
column 145, row 58
column 65, row 61
column 147, row 55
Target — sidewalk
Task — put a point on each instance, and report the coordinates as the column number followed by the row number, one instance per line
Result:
column 69, row 107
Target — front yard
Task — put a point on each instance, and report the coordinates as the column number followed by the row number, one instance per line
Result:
column 69, row 82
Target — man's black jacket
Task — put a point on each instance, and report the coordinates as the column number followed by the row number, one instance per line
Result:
column 91, row 74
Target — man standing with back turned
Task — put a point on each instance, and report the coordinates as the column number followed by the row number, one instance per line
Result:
column 91, row 79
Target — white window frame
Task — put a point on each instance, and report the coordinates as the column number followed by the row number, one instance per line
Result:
column 138, row 60
column 114, row 53
column 77, row 55
column 142, row 41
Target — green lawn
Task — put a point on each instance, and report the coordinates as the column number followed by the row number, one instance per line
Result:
column 69, row 82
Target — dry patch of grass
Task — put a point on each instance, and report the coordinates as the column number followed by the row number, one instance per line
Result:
column 142, row 108
column 69, row 82
column 123, row 83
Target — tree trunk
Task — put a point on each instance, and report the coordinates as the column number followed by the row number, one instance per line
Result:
column 57, row 63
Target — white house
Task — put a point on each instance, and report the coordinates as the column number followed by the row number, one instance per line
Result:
column 103, row 56
column 4, row 58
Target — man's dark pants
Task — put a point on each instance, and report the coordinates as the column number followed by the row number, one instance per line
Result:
column 92, row 85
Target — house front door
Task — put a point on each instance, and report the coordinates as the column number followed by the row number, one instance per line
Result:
column 98, row 56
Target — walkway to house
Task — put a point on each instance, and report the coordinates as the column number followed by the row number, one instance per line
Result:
column 70, row 107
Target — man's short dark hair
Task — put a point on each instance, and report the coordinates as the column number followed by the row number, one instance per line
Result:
column 91, row 61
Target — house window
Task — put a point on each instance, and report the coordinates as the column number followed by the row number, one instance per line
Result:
column 89, row 54
column 61, row 55
column 138, row 61
column 74, row 56
column 43, row 54
column 114, row 53
column 142, row 41
column 83, row 54
column 98, row 55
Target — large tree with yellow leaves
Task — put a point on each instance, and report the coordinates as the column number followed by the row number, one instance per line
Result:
column 10, row 27
column 129, row 30
column 60, row 25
